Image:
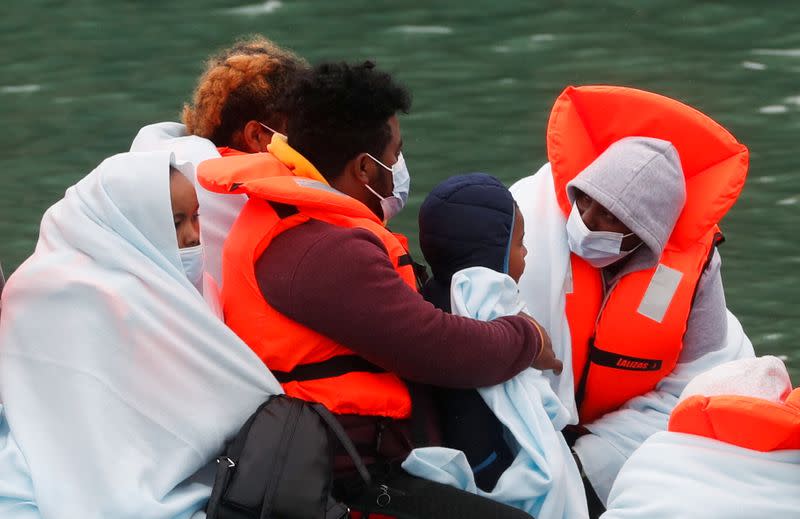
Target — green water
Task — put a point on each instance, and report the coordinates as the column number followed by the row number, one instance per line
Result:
column 79, row 78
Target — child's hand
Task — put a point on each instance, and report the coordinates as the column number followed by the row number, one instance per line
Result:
column 547, row 357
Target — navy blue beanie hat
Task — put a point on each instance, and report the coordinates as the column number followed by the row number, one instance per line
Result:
column 466, row 221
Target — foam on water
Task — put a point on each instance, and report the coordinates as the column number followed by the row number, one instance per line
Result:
column 787, row 53
column 792, row 100
column 423, row 29
column 543, row 37
column 753, row 65
column 256, row 9
column 792, row 200
column 20, row 89
column 773, row 109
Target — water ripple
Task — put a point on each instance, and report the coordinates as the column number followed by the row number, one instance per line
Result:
column 753, row 65
column 787, row 53
column 423, row 29
column 20, row 89
column 256, row 9
column 773, row 109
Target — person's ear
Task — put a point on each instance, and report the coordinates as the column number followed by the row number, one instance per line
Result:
column 361, row 165
column 255, row 137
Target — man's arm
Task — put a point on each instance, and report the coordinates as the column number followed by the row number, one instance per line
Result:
column 341, row 283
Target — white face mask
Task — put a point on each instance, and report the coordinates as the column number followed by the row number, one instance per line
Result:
column 193, row 265
column 599, row 248
column 401, row 179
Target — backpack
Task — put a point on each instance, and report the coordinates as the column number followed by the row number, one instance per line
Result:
column 280, row 465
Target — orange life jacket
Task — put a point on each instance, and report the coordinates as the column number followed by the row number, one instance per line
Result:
column 626, row 341
column 284, row 182
column 752, row 423
column 227, row 151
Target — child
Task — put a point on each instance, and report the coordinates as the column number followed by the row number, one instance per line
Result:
column 471, row 221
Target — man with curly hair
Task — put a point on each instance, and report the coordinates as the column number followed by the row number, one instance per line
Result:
column 327, row 297
column 239, row 102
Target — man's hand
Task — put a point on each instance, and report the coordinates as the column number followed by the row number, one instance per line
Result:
column 546, row 358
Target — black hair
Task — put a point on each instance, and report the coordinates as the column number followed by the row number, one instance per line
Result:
column 341, row 110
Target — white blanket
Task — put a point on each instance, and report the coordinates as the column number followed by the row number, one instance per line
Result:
column 217, row 212
column 543, row 479
column 543, row 286
column 675, row 475
column 706, row 477
column 16, row 488
column 760, row 377
column 119, row 386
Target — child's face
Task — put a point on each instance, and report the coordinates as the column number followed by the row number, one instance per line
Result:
column 184, row 210
column 517, row 252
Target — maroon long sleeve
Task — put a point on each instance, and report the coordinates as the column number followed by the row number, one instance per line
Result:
column 341, row 283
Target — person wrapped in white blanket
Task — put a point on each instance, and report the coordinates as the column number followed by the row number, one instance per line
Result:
column 239, row 105
column 615, row 208
column 732, row 450
column 501, row 442
column 119, row 386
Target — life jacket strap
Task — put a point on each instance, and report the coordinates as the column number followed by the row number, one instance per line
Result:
column 333, row 367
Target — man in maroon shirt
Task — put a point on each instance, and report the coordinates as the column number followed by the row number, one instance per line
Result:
column 340, row 282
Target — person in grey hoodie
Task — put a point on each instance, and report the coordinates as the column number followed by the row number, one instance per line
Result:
column 625, row 205
column 636, row 188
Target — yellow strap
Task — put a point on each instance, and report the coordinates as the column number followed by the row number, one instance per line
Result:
column 299, row 165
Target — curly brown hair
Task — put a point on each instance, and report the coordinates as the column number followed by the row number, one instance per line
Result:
column 249, row 81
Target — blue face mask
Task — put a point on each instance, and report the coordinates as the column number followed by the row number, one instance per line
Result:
column 193, row 265
column 401, row 179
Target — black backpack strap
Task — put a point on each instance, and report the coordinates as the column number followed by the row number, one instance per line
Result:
column 337, row 429
column 420, row 414
column 333, row 367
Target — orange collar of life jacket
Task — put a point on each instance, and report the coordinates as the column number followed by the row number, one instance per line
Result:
column 752, row 423
column 282, row 175
column 235, row 171
column 227, row 151
column 588, row 119
column 299, row 165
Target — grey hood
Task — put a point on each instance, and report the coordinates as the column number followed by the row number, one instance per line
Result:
column 641, row 182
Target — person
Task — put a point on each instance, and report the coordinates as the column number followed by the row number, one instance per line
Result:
column 186, row 218
column 625, row 273
column 326, row 296
column 732, row 450
column 502, row 442
column 239, row 102
column 470, row 221
column 119, row 386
